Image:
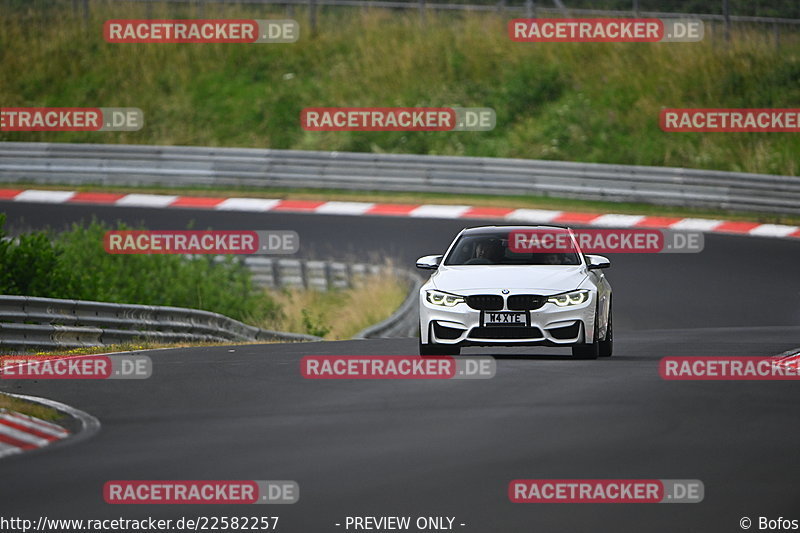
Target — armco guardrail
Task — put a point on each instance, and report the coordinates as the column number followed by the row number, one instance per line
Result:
column 320, row 275
column 29, row 323
column 405, row 321
column 86, row 164
column 327, row 275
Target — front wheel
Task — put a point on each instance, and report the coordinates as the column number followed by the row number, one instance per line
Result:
column 606, row 347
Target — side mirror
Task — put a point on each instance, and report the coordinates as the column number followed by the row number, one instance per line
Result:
column 429, row 262
column 597, row 261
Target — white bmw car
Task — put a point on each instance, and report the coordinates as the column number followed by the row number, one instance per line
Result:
column 484, row 291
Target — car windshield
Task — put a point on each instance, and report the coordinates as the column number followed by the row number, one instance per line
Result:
column 493, row 249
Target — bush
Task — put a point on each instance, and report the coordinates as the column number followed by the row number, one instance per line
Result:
column 75, row 265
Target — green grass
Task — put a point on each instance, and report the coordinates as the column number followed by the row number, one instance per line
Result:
column 580, row 102
column 339, row 314
column 28, row 408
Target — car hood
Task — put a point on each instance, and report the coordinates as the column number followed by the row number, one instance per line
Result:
column 542, row 278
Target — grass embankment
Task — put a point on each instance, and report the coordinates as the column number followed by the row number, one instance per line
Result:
column 73, row 264
column 575, row 101
column 28, row 408
column 337, row 315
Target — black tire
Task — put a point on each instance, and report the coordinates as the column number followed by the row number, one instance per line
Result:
column 588, row 351
column 606, row 347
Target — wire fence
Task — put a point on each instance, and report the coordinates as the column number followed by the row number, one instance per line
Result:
column 722, row 16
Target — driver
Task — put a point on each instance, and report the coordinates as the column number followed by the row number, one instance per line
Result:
column 490, row 250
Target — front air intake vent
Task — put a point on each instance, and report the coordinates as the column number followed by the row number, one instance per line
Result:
column 444, row 332
column 505, row 332
column 566, row 332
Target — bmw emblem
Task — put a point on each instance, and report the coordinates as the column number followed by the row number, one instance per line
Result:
column 504, row 291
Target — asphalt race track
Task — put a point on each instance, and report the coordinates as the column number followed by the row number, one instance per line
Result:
column 450, row 448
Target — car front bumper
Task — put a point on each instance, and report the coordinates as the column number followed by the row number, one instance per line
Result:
column 550, row 325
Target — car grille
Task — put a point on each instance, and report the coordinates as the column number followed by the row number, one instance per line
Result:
column 505, row 332
column 526, row 302
column 485, row 302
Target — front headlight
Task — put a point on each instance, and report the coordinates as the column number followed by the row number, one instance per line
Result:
column 570, row 298
column 443, row 298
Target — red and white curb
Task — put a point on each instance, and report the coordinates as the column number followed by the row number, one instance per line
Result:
column 522, row 216
column 789, row 359
column 19, row 433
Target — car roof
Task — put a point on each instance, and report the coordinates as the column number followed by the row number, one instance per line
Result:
column 482, row 230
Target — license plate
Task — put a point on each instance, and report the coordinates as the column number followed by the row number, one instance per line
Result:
column 504, row 318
